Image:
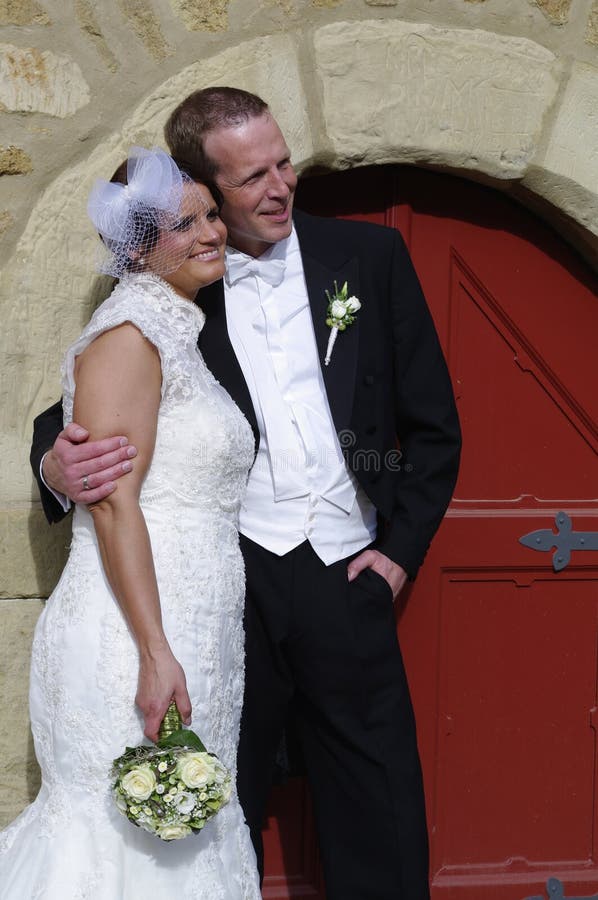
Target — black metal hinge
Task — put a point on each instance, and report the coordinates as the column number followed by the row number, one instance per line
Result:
column 564, row 541
column 556, row 891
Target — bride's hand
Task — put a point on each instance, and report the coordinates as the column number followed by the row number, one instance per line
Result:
column 161, row 680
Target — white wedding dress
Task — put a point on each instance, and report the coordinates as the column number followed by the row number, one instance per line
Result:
column 72, row 843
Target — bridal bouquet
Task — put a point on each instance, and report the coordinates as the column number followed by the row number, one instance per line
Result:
column 172, row 788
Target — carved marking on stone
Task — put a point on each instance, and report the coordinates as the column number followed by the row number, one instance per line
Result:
column 40, row 81
column 565, row 171
column 576, row 129
column 14, row 161
column 22, row 12
column 395, row 91
column 146, row 26
column 202, row 15
column 556, row 11
column 85, row 13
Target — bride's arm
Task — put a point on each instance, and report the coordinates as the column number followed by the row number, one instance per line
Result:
column 118, row 380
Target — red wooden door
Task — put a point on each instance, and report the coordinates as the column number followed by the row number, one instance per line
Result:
column 501, row 650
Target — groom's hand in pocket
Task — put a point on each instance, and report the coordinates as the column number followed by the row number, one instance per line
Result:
column 83, row 470
column 394, row 574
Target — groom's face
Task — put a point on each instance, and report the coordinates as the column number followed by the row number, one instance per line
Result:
column 257, row 181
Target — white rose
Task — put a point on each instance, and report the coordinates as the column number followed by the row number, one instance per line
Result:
column 184, row 802
column 139, row 783
column 173, row 832
column 227, row 790
column 220, row 773
column 353, row 304
column 195, row 769
column 121, row 803
column 338, row 309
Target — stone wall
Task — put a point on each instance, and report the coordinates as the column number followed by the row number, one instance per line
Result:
column 506, row 92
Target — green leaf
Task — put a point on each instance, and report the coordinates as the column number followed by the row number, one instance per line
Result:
column 183, row 738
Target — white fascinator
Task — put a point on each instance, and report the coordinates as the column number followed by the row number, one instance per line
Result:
column 150, row 223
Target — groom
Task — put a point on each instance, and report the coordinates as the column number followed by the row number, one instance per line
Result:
column 335, row 520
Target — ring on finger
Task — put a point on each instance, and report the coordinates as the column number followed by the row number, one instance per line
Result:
column 86, row 482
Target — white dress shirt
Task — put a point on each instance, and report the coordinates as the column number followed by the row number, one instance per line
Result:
column 300, row 486
column 62, row 498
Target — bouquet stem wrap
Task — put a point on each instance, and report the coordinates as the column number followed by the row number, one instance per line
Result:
column 170, row 723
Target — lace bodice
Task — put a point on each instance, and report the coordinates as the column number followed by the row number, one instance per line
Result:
column 204, row 445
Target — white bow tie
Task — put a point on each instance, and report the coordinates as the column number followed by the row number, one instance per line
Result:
column 239, row 266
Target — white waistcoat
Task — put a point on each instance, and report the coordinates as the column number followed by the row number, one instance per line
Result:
column 300, row 486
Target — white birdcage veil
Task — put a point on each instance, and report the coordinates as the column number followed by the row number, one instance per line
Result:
column 150, row 223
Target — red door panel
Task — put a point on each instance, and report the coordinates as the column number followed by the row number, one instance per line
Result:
column 501, row 650
column 515, row 400
column 511, row 737
column 293, row 868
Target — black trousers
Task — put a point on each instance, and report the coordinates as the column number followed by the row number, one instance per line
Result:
column 330, row 648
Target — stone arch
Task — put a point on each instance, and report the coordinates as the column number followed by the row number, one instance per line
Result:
column 348, row 93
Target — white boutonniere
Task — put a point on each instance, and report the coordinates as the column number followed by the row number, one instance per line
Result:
column 340, row 314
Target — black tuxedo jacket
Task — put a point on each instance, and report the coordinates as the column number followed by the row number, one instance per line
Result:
column 387, row 378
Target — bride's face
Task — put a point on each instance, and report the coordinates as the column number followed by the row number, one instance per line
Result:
column 190, row 254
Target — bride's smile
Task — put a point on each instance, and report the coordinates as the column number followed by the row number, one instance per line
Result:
column 195, row 242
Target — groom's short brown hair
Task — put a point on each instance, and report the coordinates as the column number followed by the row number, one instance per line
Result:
column 202, row 112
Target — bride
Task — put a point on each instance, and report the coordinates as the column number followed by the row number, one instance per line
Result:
column 149, row 606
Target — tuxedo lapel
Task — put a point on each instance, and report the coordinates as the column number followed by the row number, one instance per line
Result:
column 321, row 270
column 217, row 351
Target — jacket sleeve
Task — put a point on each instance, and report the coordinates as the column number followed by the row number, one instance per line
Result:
column 46, row 428
column 426, row 420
